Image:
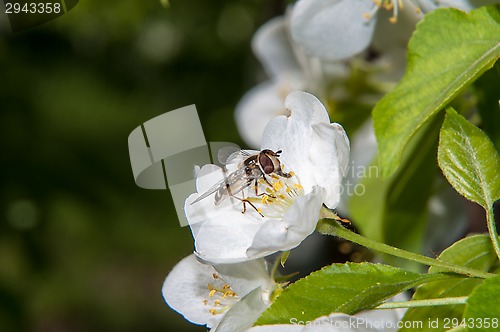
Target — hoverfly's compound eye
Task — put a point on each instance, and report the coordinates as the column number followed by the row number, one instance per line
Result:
column 266, row 163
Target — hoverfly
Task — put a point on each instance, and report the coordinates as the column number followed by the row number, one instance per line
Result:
column 254, row 167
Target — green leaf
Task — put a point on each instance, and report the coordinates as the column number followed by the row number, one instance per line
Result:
column 347, row 288
column 474, row 252
column 366, row 210
column 487, row 93
column 405, row 215
column 469, row 160
column 440, row 66
column 395, row 211
column 483, row 305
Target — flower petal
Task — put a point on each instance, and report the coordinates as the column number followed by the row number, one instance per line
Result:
column 225, row 239
column 244, row 313
column 185, row 289
column 395, row 35
column 271, row 45
column 246, row 276
column 262, row 103
column 292, row 134
column 317, row 151
column 329, row 155
column 298, row 222
column 332, row 29
column 277, row 328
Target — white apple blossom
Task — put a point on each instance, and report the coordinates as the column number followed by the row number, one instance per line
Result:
column 339, row 29
column 314, row 150
column 288, row 69
column 222, row 297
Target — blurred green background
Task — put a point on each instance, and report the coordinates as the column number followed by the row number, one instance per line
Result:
column 82, row 248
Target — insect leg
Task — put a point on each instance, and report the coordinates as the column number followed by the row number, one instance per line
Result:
column 245, row 201
column 265, row 179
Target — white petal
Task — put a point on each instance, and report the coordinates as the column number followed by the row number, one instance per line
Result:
column 205, row 209
column 225, row 239
column 388, row 35
column 185, row 289
column 298, row 222
column 243, row 314
column 277, row 328
column 262, row 103
column 332, row 29
column 317, row 151
column 293, row 135
column 208, row 178
column 246, row 276
column 271, row 45
column 329, row 155
column 306, row 108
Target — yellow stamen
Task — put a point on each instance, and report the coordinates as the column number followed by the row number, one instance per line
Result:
column 278, row 185
column 228, row 293
column 264, row 200
column 212, row 293
column 298, row 186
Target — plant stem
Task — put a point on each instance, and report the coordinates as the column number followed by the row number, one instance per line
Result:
column 492, row 229
column 331, row 227
column 423, row 303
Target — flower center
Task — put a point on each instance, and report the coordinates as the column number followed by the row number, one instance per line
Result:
column 394, row 5
column 279, row 193
column 220, row 296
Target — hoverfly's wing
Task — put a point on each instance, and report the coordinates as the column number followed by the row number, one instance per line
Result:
column 235, row 183
column 214, row 188
column 225, row 152
column 231, row 185
column 239, row 156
